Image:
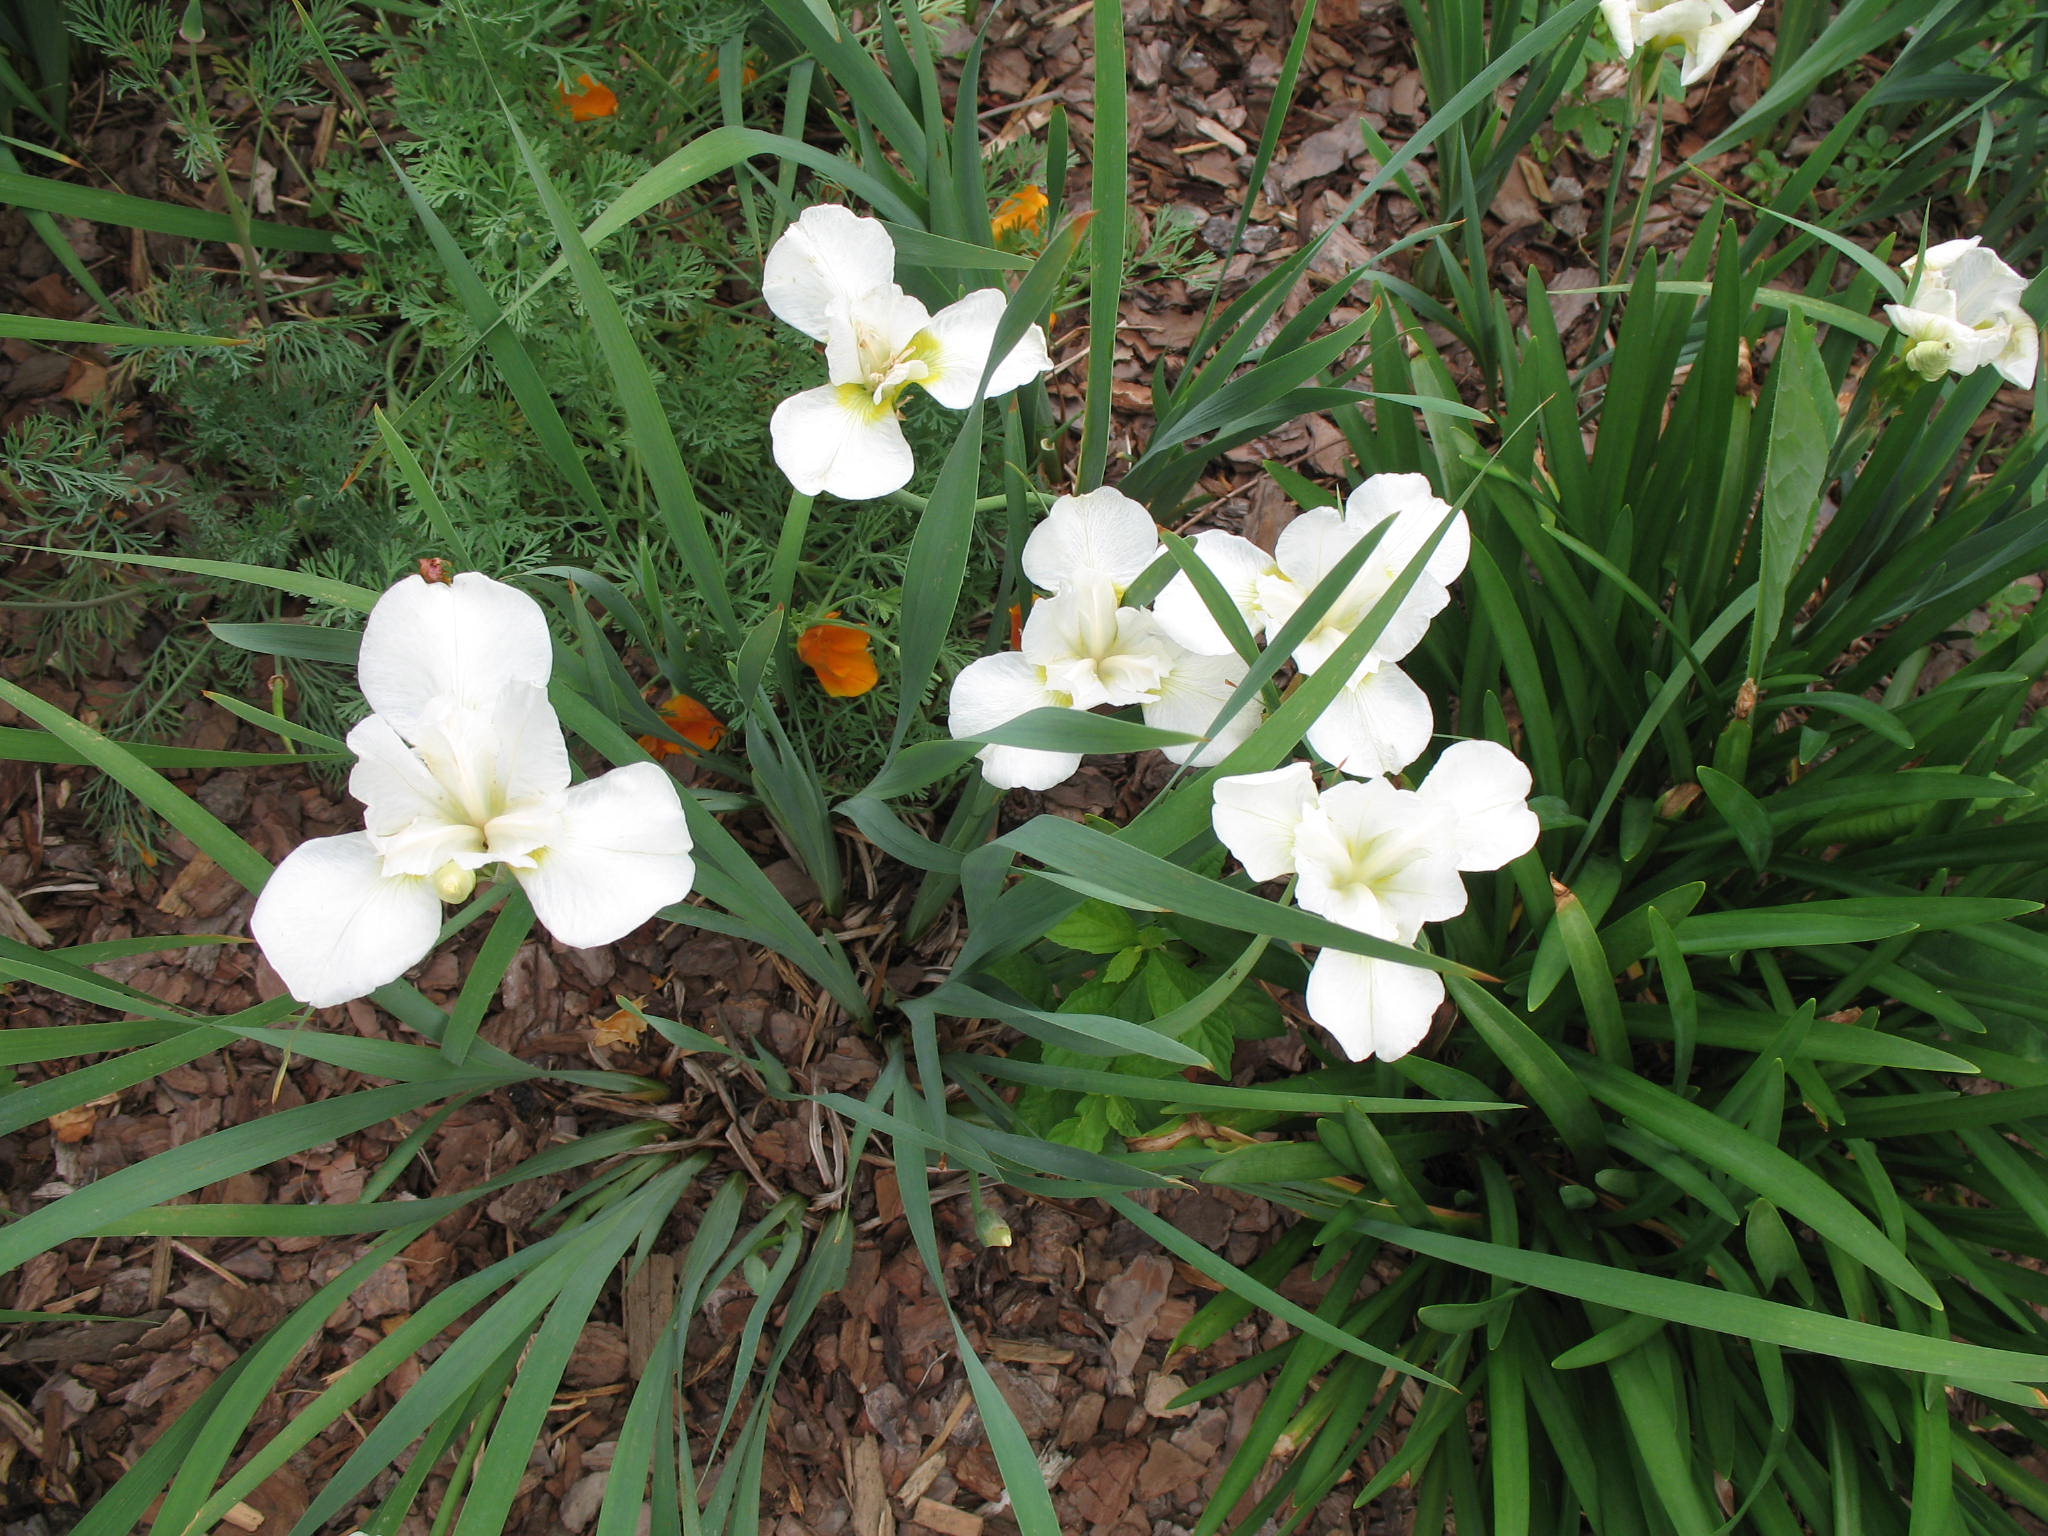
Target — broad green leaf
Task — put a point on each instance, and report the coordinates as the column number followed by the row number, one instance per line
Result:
column 1803, row 426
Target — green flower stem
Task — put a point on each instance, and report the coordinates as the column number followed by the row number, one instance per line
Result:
column 918, row 503
column 1642, row 95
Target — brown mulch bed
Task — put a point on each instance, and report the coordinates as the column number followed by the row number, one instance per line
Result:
column 873, row 1431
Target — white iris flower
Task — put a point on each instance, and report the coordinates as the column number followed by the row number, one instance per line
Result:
column 461, row 766
column 1702, row 28
column 832, row 275
column 1382, row 861
column 1381, row 721
column 1963, row 313
column 1082, row 648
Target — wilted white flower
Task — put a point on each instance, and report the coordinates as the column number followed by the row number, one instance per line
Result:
column 1381, row 861
column 1963, row 313
column 832, row 276
column 1081, row 648
column 462, row 765
column 1702, row 28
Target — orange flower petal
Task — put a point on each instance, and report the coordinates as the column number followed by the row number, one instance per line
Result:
column 689, row 720
column 838, row 655
column 1024, row 209
column 593, row 100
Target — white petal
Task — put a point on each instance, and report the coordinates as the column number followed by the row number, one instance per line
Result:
column 1377, row 859
column 1102, row 536
column 1986, row 289
column 1372, row 1007
column 1483, row 788
column 829, row 256
column 995, row 690
column 466, row 640
column 2021, row 358
column 415, row 825
column 1705, row 49
column 836, row 441
column 1027, row 767
column 334, row 927
column 1939, row 257
column 1312, row 543
column 868, row 331
column 1380, row 723
column 1310, row 548
column 619, row 854
column 491, row 757
column 1239, row 565
column 1621, row 21
column 961, row 335
column 1095, row 652
column 1194, row 689
column 1402, row 632
column 1256, row 816
column 1415, row 511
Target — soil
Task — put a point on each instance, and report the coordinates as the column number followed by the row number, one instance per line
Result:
column 873, row 1430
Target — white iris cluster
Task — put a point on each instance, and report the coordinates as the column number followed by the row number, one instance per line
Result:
column 1375, row 858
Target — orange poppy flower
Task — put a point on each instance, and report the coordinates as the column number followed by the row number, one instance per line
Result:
column 838, row 654
column 593, row 100
column 1022, row 211
column 689, row 720
column 748, row 74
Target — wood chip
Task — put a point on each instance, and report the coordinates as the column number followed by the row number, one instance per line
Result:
column 1222, row 135
column 871, row 1516
column 946, row 1520
column 1029, row 1352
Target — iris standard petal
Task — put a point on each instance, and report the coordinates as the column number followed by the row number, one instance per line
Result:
column 830, row 255
column 1102, row 536
column 493, row 756
column 1367, row 838
column 334, row 926
column 834, row 440
column 1372, row 1007
column 464, row 640
column 960, row 336
column 414, row 823
column 619, row 853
